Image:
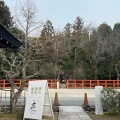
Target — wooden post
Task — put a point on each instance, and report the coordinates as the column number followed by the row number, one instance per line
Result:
column 90, row 84
column 82, row 83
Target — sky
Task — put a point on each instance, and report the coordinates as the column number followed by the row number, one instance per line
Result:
column 61, row 12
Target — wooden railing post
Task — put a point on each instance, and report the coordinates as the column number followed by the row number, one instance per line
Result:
column 90, row 82
column 106, row 85
column 4, row 84
column 82, row 83
column 98, row 82
column 74, row 84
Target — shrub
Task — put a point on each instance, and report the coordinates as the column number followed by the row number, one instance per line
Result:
column 110, row 100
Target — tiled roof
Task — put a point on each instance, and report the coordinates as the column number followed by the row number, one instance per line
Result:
column 7, row 40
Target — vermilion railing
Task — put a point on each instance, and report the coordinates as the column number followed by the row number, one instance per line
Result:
column 92, row 83
column 70, row 84
column 52, row 83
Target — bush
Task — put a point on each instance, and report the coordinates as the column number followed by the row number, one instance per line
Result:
column 110, row 100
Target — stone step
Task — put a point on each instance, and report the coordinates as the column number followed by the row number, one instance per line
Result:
column 72, row 113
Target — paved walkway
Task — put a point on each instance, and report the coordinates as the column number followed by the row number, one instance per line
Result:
column 72, row 113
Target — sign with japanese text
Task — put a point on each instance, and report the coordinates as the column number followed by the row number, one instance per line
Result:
column 36, row 96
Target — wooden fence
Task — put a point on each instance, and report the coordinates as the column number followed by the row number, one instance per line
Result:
column 70, row 84
column 52, row 83
column 92, row 83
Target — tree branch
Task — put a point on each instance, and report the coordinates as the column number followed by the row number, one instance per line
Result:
column 33, row 75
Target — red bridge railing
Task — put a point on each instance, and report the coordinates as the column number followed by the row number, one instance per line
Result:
column 52, row 83
column 70, row 84
column 92, row 83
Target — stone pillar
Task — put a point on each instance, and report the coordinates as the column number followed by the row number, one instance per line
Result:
column 98, row 104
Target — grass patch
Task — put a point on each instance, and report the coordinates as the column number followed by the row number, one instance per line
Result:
column 8, row 117
column 15, row 117
column 105, row 116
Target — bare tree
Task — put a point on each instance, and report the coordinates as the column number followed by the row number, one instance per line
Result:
column 59, row 51
column 18, row 63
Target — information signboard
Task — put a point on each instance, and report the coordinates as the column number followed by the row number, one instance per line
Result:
column 38, row 102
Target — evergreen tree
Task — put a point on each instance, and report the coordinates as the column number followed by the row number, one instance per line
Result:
column 116, row 48
column 47, row 38
column 78, row 28
column 67, row 36
column 47, row 44
column 5, row 15
column 105, row 35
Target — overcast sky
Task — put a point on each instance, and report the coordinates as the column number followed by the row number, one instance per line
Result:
column 61, row 12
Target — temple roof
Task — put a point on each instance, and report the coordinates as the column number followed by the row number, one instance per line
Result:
column 7, row 40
